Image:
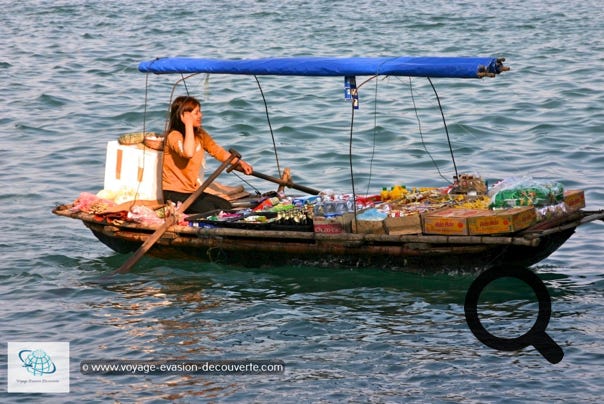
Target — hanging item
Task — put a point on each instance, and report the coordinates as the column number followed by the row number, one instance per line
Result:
column 351, row 92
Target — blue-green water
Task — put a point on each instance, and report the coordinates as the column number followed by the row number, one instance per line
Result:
column 69, row 84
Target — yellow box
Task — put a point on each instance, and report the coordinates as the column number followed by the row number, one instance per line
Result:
column 410, row 224
column 574, row 200
column 502, row 221
column 449, row 221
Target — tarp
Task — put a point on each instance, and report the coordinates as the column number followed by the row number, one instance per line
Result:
column 422, row 66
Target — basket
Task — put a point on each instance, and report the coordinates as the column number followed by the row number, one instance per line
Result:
column 154, row 142
column 131, row 138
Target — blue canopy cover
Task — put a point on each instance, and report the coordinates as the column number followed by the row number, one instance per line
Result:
column 420, row 66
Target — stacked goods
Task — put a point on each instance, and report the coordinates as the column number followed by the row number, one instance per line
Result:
column 507, row 208
column 463, row 222
column 333, row 213
column 464, row 208
column 400, row 213
column 406, row 217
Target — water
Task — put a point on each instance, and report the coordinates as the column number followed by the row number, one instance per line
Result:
column 69, row 84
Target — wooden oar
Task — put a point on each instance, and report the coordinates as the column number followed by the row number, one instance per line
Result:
column 169, row 221
column 289, row 183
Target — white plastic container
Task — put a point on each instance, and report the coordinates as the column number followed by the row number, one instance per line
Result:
column 134, row 171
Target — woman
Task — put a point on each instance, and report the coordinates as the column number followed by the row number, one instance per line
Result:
column 184, row 155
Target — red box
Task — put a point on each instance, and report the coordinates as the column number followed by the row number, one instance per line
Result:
column 332, row 225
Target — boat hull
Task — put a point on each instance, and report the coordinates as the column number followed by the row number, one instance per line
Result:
column 434, row 257
column 259, row 248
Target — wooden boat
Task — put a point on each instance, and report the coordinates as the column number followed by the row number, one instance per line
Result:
column 380, row 251
column 286, row 246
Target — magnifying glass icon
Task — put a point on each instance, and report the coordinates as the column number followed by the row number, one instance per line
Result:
column 536, row 336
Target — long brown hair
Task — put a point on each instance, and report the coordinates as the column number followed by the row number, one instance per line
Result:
column 183, row 103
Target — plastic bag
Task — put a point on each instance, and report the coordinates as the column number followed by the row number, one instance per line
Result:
column 144, row 215
column 372, row 214
column 90, row 203
column 525, row 191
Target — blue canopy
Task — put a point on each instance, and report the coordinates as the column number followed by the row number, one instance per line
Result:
column 421, row 66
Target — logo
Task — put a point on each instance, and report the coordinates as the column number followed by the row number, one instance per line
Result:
column 37, row 362
column 38, row 367
column 535, row 336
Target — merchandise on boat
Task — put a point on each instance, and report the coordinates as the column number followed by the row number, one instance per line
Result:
column 450, row 210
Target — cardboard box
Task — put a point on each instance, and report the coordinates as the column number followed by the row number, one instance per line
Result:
column 133, row 167
column 502, row 221
column 368, row 226
column 449, row 221
column 410, row 224
column 332, row 225
column 574, row 200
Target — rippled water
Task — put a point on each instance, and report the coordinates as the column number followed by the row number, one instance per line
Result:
column 70, row 84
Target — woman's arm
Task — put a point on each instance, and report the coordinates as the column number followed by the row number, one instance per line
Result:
column 188, row 149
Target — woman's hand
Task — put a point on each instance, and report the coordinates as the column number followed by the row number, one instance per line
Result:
column 245, row 167
column 187, row 118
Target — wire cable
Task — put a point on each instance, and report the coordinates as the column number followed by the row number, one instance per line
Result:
column 258, row 193
column 185, row 83
column 269, row 125
column 142, row 169
column 445, row 125
column 421, row 133
column 354, row 194
column 374, row 131
column 375, row 102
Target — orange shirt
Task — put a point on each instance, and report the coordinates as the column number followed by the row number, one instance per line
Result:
column 180, row 173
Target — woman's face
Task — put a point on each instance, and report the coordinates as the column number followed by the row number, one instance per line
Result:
column 197, row 117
